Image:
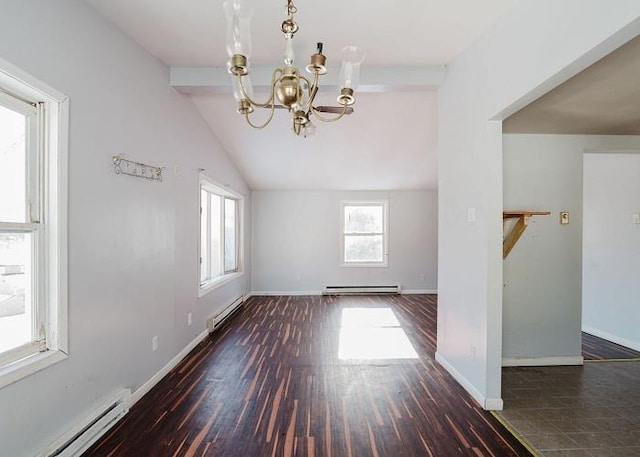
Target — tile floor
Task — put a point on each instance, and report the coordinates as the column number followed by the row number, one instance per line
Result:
column 592, row 410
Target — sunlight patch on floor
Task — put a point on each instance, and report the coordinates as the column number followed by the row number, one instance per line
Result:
column 373, row 334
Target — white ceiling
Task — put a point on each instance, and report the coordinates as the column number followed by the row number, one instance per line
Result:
column 603, row 99
column 390, row 140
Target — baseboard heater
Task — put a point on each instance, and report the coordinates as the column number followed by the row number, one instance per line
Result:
column 215, row 322
column 360, row 290
column 87, row 432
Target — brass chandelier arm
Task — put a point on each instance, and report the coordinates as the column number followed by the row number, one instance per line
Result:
column 246, row 116
column 326, row 119
column 270, row 102
column 313, row 91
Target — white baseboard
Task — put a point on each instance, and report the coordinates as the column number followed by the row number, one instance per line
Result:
column 419, row 291
column 635, row 345
column 541, row 361
column 289, row 293
column 484, row 402
column 156, row 378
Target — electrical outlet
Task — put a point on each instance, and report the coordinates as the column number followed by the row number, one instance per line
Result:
column 189, row 319
column 422, row 277
column 635, row 218
column 154, row 343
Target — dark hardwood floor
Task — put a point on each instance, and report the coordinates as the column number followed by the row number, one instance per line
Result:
column 270, row 383
column 594, row 348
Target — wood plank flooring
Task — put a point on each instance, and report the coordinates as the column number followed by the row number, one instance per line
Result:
column 270, row 383
column 594, row 348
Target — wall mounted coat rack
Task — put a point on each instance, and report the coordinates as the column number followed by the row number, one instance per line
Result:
column 123, row 166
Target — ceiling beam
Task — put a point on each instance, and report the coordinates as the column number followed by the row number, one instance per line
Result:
column 203, row 80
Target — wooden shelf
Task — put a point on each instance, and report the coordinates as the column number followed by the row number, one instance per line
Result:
column 518, row 229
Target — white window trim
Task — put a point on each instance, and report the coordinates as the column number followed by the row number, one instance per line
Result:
column 218, row 189
column 55, row 268
column 385, row 236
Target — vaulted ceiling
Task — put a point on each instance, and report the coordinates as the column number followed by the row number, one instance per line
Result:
column 388, row 143
column 603, row 99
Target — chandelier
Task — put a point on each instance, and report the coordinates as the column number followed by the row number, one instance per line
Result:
column 289, row 89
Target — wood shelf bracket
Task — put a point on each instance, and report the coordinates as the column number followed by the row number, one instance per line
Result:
column 512, row 237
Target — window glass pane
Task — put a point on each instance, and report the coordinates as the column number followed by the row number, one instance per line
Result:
column 204, row 236
column 363, row 248
column 13, row 174
column 15, row 292
column 215, row 239
column 363, row 219
column 230, row 251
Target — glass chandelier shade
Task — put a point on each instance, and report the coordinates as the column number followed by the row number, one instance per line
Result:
column 238, row 14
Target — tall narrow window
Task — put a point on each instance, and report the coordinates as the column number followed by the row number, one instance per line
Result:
column 32, row 225
column 220, row 240
column 364, row 233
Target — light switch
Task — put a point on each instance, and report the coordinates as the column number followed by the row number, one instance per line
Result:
column 635, row 218
column 471, row 214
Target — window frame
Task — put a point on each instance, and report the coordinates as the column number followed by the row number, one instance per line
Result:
column 46, row 220
column 206, row 184
column 384, row 203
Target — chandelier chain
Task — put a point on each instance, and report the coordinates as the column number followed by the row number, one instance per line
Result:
column 291, row 9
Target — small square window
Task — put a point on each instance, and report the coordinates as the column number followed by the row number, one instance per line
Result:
column 364, row 233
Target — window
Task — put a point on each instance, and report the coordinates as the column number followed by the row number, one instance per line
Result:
column 364, row 233
column 33, row 123
column 220, row 245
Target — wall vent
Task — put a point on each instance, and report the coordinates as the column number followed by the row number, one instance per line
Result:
column 360, row 290
column 87, row 432
column 215, row 322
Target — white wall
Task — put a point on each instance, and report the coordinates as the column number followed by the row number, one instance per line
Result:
column 132, row 242
column 296, row 241
column 542, row 298
column 539, row 44
column 611, row 243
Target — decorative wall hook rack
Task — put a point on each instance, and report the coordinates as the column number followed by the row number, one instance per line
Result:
column 123, row 166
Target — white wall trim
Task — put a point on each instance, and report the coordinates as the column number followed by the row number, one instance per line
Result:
column 635, row 345
column 493, row 404
column 541, row 361
column 418, row 291
column 272, row 293
column 464, row 382
column 156, row 378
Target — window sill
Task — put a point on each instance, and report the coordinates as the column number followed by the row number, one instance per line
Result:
column 29, row 365
column 364, row 265
column 210, row 286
